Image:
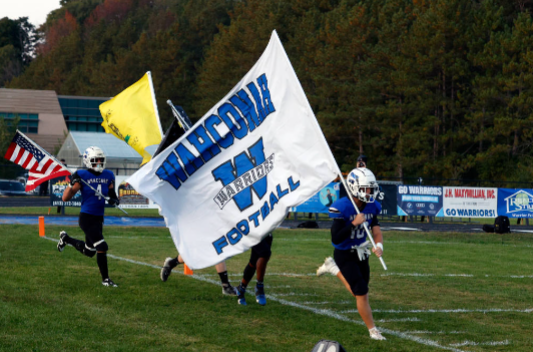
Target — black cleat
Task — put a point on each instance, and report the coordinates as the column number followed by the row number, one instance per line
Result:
column 62, row 241
column 109, row 283
column 240, row 294
column 166, row 270
column 260, row 295
column 229, row 290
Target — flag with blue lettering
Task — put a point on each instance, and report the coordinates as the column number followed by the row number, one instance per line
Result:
column 231, row 178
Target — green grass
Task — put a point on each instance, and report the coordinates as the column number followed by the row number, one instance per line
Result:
column 52, row 301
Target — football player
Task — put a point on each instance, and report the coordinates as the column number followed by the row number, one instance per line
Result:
column 348, row 236
column 259, row 257
column 91, row 217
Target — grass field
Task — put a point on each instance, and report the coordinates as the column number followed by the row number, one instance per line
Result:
column 454, row 292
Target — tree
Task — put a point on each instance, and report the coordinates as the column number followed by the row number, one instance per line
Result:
column 17, row 42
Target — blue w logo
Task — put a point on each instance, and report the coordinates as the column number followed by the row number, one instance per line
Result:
column 245, row 173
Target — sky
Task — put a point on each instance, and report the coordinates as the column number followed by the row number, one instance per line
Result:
column 36, row 10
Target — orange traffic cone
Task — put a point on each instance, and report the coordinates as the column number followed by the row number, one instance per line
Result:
column 187, row 270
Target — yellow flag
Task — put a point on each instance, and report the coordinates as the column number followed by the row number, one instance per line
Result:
column 132, row 116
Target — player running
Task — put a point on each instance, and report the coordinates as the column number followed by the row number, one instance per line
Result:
column 91, row 217
column 348, row 236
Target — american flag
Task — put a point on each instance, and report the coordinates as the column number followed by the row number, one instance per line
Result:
column 41, row 165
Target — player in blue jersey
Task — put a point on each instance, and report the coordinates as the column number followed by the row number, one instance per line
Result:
column 259, row 257
column 349, row 238
column 92, row 208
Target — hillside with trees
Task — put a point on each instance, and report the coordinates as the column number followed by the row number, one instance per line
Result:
column 431, row 88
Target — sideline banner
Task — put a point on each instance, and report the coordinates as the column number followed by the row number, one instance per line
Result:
column 515, row 202
column 470, row 202
column 388, row 199
column 419, row 200
column 56, row 188
column 129, row 197
column 320, row 202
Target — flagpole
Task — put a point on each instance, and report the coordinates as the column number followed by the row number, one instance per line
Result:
column 155, row 103
column 178, row 116
column 325, row 143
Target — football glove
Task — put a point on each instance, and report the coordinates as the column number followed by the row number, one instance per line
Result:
column 113, row 201
column 74, row 180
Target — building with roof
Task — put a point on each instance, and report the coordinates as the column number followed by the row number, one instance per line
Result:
column 120, row 157
column 46, row 117
column 65, row 126
column 40, row 115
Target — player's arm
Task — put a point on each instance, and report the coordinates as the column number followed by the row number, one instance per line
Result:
column 339, row 231
column 75, row 186
column 113, row 199
column 378, row 239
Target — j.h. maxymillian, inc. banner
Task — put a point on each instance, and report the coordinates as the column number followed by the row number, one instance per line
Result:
column 470, row 202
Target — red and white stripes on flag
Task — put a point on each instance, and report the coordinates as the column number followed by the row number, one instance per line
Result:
column 41, row 165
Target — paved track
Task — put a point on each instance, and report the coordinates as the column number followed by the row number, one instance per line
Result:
column 464, row 227
column 30, row 201
column 159, row 222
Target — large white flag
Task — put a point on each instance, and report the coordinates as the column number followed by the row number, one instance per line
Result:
column 230, row 180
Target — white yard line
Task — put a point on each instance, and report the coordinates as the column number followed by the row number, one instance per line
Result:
column 294, row 294
column 472, row 343
column 393, row 274
column 397, row 320
column 435, row 332
column 419, row 274
column 324, row 303
column 484, row 311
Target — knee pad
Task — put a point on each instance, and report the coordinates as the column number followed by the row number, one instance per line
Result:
column 101, row 246
column 89, row 253
column 249, row 272
column 80, row 246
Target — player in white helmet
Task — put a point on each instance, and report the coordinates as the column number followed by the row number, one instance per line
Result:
column 348, row 236
column 92, row 208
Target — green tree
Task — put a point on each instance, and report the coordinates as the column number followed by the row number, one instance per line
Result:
column 17, row 43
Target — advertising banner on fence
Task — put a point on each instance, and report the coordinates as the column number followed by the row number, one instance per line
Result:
column 470, row 202
column 387, row 198
column 129, row 197
column 419, row 200
column 321, row 201
column 515, row 202
column 56, row 187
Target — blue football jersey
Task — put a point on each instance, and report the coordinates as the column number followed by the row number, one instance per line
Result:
column 90, row 202
column 344, row 209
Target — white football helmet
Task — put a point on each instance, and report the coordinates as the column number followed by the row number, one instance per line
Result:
column 359, row 181
column 94, row 159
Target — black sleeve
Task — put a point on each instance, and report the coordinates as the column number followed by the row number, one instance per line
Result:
column 112, row 193
column 339, row 231
column 375, row 222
